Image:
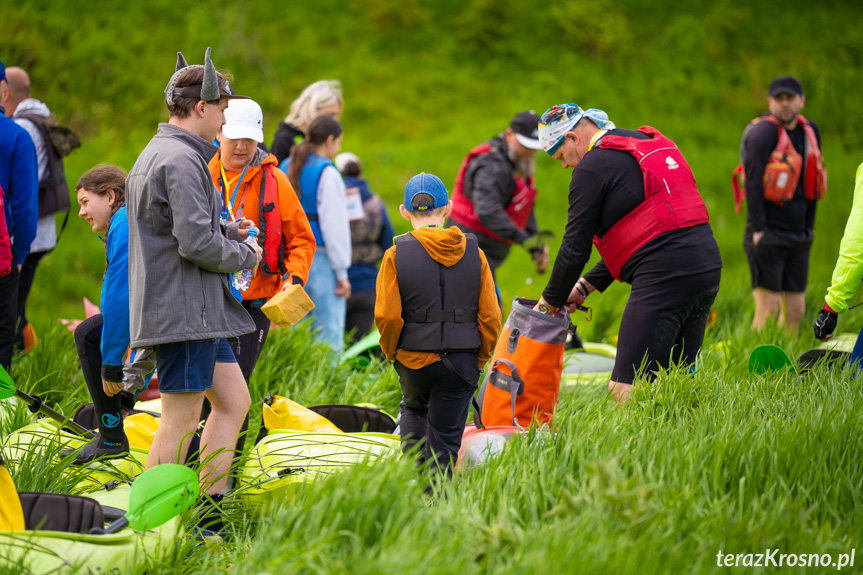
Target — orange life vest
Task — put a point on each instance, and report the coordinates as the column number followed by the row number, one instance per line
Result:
column 782, row 172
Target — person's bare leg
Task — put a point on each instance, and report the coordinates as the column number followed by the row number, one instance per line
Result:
column 619, row 391
column 766, row 304
column 178, row 423
column 794, row 308
column 230, row 400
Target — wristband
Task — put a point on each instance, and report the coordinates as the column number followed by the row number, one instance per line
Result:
column 112, row 373
column 581, row 289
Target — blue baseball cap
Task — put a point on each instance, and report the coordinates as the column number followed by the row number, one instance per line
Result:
column 425, row 184
column 2, row 72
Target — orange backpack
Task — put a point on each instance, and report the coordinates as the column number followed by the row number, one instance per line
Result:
column 523, row 382
column 782, row 172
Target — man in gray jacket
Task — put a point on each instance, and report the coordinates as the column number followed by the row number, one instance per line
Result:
column 179, row 256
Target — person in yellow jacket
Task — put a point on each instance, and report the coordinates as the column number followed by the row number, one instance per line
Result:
column 438, row 317
column 847, row 274
column 241, row 171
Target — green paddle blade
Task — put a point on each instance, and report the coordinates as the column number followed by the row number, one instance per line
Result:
column 7, row 386
column 161, row 493
column 767, row 358
column 358, row 352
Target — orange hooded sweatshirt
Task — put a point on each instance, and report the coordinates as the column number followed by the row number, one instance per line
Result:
column 298, row 239
column 446, row 246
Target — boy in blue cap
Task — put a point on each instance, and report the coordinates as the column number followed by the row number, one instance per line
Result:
column 438, row 317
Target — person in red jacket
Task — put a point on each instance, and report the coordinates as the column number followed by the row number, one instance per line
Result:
column 633, row 195
column 494, row 194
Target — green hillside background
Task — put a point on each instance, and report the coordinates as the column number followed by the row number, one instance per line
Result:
column 425, row 81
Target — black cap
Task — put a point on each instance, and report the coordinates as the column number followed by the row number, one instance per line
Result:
column 526, row 127
column 786, row 85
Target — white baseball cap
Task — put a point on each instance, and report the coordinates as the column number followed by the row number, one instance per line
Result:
column 244, row 119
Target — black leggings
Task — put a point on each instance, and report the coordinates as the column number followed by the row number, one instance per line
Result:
column 25, row 283
column 665, row 322
column 88, row 338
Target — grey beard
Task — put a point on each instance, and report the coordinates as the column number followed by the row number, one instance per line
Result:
column 523, row 167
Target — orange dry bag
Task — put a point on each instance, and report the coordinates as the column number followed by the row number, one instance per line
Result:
column 523, row 382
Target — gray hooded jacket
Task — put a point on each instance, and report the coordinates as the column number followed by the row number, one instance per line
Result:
column 178, row 253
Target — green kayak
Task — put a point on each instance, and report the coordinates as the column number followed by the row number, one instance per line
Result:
column 44, row 432
column 49, row 552
column 591, row 364
column 286, row 460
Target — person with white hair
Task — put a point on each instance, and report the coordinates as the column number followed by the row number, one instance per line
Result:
column 323, row 98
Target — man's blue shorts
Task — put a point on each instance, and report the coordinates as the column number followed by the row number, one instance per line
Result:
column 187, row 366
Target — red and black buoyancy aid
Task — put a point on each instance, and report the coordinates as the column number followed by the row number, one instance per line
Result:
column 782, row 172
column 518, row 210
column 671, row 198
column 270, row 225
column 439, row 303
column 5, row 239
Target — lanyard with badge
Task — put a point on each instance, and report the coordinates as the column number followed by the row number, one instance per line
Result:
column 229, row 213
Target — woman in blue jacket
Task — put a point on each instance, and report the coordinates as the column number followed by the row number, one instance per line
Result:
column 322, row 194
column 102, row 340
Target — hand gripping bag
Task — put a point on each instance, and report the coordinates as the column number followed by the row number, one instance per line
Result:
column 523, row 382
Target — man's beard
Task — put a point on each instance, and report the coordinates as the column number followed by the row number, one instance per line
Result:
column 524, row 167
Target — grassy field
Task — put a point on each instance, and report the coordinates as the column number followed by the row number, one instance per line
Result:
column 723, row 461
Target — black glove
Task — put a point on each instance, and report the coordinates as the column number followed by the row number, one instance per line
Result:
column 826, row 323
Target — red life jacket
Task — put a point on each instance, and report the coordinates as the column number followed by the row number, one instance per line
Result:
column 270, row 225
column 782, row 172
column 5, row 241
column 518, row 210
column 671, row 198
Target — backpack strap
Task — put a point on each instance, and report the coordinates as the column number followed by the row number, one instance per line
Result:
column 512, row 384
column 477, row 419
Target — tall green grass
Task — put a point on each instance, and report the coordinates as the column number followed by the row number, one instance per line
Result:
column 722, row 460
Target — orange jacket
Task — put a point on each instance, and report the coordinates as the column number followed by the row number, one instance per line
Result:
column 445, row 246
column 298, row 238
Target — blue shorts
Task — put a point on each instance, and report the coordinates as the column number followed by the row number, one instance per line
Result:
column 187, row 366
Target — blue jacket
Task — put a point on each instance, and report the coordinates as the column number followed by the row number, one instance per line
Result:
column 364, row 277
column 19, row 176
column 115, row 292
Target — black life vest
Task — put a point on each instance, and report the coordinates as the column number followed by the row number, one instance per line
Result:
column 439, row 303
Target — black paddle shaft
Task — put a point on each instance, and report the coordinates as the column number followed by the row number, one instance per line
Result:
column 37, row 406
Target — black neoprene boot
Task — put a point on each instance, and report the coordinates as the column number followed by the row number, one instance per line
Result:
column 100, row 448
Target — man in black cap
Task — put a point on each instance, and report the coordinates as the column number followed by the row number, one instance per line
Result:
column 784, row 175
column 494, row 193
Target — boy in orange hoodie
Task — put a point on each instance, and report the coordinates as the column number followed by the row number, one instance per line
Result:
column 439, row 319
